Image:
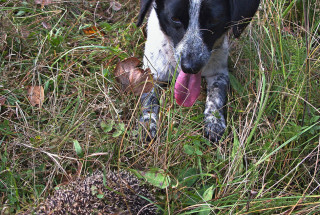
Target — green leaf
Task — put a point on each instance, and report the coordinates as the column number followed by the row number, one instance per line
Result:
column 156, row 177
column 122, row 126
column 188, row 149
column 12, row 99
column 198, row 152
column 5, row 128
column 100, row 196
column 119, row 131
column 106, row 26
column 188, row 177
column 77, row 148
column 20, row 13
column 207, row 195
column 107, row 127
column 48, row 84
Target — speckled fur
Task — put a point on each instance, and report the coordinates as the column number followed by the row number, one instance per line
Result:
column 192, row 43
column 121, row 196
column 163, row 60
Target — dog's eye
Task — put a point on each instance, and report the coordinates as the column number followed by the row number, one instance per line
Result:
column 176, row 20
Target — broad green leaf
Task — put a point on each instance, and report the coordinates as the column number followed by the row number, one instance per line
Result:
column 207, row 196
column 77, row 148
column 188, row 149
column 107, row 127
column 198, row 152
column 119, row 131
column 188, row 177
column 157, row 178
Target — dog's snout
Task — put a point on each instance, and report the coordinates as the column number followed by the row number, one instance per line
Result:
column 191, row 66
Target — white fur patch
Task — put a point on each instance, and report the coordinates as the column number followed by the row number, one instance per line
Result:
column 159, row 52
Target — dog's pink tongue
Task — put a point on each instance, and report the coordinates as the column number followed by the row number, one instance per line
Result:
column 187, row 88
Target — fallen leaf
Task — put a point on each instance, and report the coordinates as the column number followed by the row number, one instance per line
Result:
column 116, row 6
column 36, row 95
column 133, row 78
column 92, row 31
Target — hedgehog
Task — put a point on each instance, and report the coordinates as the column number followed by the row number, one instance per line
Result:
column 121, row 194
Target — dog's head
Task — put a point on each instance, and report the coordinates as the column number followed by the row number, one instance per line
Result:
column 194, row 26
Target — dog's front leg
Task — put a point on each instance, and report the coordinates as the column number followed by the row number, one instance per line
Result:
column 150, row 113
column 215, row 123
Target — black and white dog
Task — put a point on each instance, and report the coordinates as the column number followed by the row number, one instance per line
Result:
column 191, row 35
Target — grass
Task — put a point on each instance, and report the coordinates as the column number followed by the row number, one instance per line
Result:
column 267, row 162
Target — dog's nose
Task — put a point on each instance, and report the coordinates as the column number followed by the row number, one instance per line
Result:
column 190, row 67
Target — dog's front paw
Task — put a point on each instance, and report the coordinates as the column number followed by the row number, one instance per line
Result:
column 149, row 127
column 214, row 129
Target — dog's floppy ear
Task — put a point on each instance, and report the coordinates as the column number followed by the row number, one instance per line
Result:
column 144, row 7
column 242, row 12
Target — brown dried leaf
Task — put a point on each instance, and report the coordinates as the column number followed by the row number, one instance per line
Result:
column 93, row 31
column 132, row 78
column 36, row 95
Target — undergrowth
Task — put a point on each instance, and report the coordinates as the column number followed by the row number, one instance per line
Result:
column 266, row 163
